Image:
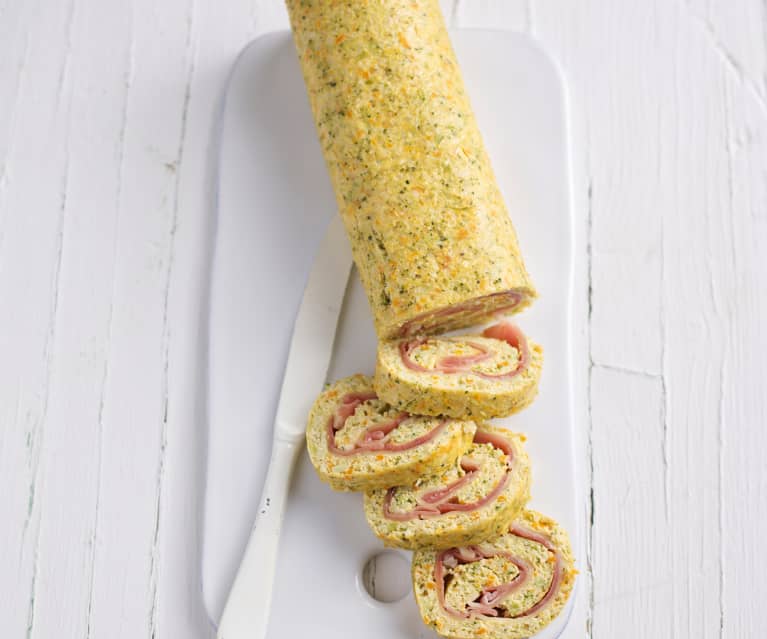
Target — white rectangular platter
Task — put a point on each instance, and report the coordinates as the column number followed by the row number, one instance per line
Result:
column 275, row 201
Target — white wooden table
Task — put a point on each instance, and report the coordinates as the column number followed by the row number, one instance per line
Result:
column 106, row 116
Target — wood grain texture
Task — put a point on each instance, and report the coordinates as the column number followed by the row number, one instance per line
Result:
column 106, row 194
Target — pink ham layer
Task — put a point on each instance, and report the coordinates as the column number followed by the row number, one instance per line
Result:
column 488, row 600
column 505, row 331
column 434, row 321
column 440, row 501
column 376, row 437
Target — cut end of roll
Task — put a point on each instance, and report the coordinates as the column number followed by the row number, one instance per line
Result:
column 464, row 314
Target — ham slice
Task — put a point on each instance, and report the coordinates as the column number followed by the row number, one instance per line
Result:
column 514, row 337
column 505, row 331
column 460, row 363
column 501, row 443
column 376, row 437
column 441, row 500
column 556, row 579
column 407, row 347
column 441, row 494
column 449, row 364
column 450, row 559
column 348, row 405
column 486, row 604
column 491, row 596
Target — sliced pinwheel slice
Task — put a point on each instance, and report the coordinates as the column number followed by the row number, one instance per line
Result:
column 493, row 374
column 358, row 442
column 474, row 500
column 507, row 588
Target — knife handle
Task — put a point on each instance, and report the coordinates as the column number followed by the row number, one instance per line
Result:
column 246, row 614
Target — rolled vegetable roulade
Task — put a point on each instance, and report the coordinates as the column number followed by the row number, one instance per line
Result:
column 473, row 501
column 357, row 442
column 493, row 374
column 429, row 229
column 507, row 588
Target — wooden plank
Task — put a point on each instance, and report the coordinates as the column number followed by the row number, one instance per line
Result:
column 696, row 214
column 139, row 425
column 70, row 490
column 743, row 438
column 33, row 184
column 219, row 33
column 743, row 406
column 714, row 336
column 631, row 559
column 623, row 179
column 710, row 330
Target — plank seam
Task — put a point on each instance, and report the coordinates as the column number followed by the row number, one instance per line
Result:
column 191, row 48
column 731, row 149
column 33, row 590
column 110, row 314
column 50, row 338
column 720, row 460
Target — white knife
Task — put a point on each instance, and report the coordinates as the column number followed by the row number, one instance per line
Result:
column 246, row 614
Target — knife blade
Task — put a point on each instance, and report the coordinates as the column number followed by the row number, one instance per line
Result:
column 246, row 613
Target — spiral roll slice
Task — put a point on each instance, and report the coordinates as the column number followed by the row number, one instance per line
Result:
column 474, row 500
column 358, row 442
column 507, row 588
